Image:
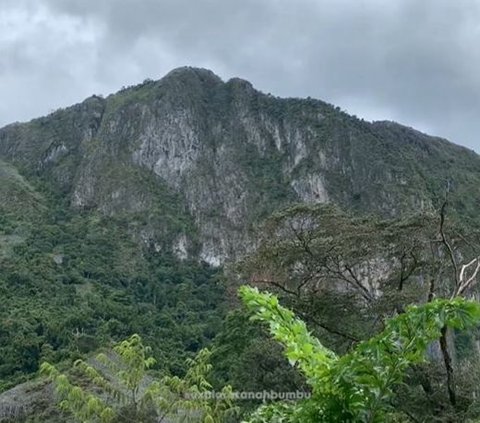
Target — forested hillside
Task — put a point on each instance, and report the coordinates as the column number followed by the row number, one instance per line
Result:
column 143, row 212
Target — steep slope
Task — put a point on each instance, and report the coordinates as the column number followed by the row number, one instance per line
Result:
column 18, row 198
column 199, row 161
column 19, row 204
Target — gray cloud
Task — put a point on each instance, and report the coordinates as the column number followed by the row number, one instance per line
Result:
column 405, row 60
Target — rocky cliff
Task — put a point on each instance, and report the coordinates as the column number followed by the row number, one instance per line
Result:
column 199, row 161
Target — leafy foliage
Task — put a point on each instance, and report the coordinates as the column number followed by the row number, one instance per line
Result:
column 84, row 406
column 191, row 398
column 120, row 381
column 124, row 391
column 359, row 385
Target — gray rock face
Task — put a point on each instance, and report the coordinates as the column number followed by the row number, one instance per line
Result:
column 230, row 156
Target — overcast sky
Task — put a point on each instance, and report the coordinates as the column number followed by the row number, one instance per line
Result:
column 413, row 61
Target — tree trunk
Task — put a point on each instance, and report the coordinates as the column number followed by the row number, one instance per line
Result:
column 447, row 359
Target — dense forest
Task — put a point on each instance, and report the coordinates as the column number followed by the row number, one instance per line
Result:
column 94, row 292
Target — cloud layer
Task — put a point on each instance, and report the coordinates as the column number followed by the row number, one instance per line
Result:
column 407, row 60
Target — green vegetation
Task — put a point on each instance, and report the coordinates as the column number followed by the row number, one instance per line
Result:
column 71, row 283
column 106, row 207
column 359, row 386
column 121, row 391
column 346, row 276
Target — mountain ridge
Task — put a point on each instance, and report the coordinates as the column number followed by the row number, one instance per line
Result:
column 231, row 155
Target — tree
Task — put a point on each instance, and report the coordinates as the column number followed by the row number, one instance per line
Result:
column 341, row 273
column 359, row 385
column 116, row 387
column 190, row 399
column 118, row 375
column 345, row 275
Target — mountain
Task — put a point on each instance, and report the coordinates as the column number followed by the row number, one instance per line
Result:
column 117, row 214
column 194, row 163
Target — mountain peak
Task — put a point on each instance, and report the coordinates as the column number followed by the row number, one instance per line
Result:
column 188, row 72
